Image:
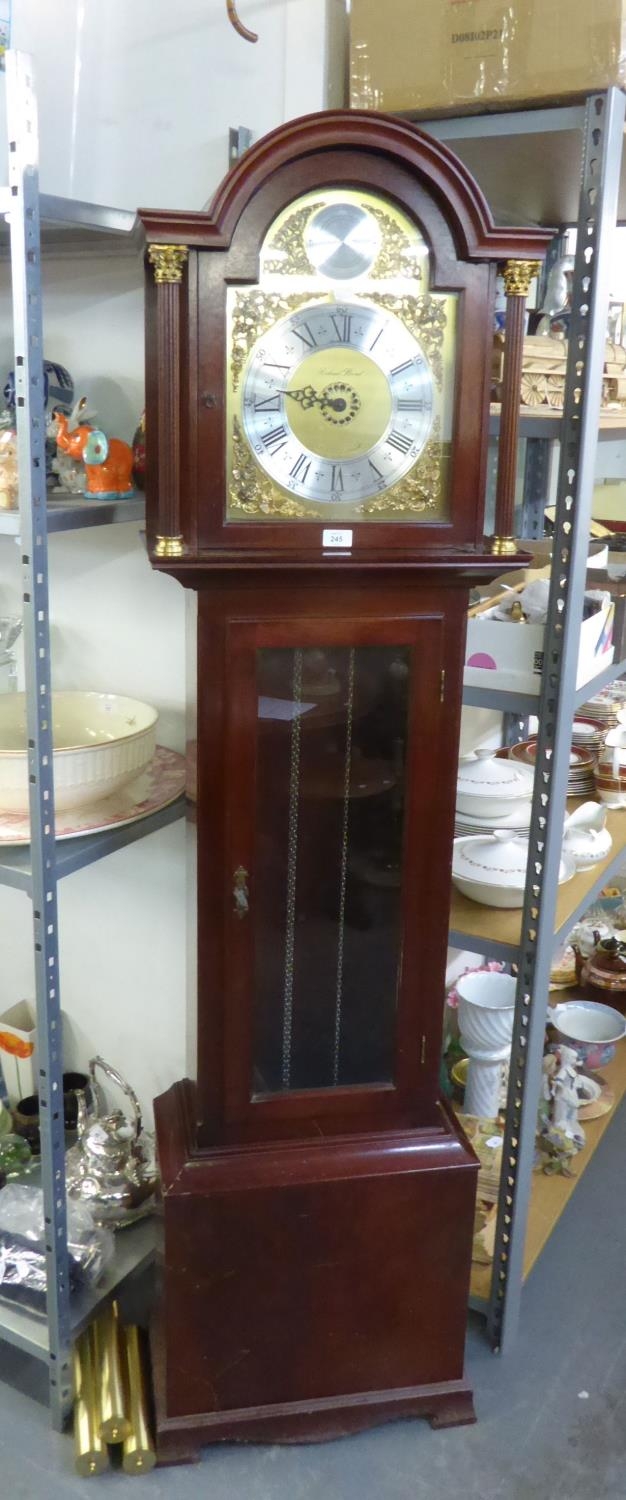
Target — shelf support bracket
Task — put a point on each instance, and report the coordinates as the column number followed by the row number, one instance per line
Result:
column 602, row 150
column 31, row 444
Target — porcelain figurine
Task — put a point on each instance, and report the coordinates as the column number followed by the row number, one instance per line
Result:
column 563, row 1092
column 9, row 487
column 107, row 462
column 58, row 395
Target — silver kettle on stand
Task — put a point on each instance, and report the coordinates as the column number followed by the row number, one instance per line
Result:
column 112, row 1167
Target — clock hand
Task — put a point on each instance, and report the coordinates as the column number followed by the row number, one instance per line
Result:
column 308, row 397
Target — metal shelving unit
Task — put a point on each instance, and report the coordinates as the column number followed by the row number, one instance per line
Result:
column 529, row 165
column 35, row 222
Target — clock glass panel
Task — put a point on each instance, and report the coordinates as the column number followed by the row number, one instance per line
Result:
column 341, row 370
column 332, row 734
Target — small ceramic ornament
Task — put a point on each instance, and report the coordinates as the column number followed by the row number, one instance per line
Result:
column 564, row 1091
column 106, row 463
column 8, row 469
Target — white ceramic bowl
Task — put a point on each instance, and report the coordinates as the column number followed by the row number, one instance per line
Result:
column 489, row 785
column 101, row 742
column 486, row 1008
column 491, row 869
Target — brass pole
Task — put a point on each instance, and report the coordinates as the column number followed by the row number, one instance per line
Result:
column 90, row 1452
column 138, row 1452
column 110, row 1389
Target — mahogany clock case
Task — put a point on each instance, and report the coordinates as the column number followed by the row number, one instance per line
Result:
column 317, row 1198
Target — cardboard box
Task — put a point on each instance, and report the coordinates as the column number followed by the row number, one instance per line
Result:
column 500, row 654
column 464, row 55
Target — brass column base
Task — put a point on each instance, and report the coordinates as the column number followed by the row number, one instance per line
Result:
column 168, row 546
column 504, row 546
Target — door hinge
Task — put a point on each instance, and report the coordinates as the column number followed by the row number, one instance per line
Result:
column 423, row 1052
column 442, row 680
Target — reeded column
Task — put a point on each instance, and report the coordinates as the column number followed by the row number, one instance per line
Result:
column 168, row 262
column 518, row 275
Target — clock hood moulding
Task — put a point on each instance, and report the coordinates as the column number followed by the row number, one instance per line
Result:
column 435, row 166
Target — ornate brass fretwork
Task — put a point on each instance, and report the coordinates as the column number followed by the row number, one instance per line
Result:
column 168, row 262
column 252, row 493
column 425, row 317
column 397, row 255
column 419, row 491
column 290, row 240
column 253, row 313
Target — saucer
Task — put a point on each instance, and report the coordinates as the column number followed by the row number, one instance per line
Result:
column 161, row 783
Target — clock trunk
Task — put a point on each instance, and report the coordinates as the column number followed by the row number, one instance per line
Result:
column 318, row 372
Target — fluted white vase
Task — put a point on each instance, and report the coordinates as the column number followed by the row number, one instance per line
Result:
column 486, row 1011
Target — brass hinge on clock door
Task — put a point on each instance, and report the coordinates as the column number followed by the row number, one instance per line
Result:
column 442, row 679
column 423, row 1052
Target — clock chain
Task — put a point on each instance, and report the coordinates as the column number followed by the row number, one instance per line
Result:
column 344, row 867
column 292, row 866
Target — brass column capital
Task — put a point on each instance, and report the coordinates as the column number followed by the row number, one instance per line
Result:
column 518, row 274
column 168, row 262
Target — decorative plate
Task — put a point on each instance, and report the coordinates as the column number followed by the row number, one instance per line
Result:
column 161, row 783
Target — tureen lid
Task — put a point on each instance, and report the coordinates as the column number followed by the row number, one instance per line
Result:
column 482, row 774
column 497, row 859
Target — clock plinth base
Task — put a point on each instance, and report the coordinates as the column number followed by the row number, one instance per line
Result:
column 310, row 1289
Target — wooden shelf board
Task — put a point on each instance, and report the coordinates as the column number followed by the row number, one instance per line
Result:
column 491, row 925
column 550, row 1195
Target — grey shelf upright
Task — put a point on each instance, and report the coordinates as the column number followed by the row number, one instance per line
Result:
column 529, row 166
column 30, row 224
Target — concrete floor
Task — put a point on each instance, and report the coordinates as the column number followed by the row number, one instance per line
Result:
column 551, row 1417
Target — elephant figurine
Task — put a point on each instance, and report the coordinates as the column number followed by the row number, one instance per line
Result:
column 108, row 462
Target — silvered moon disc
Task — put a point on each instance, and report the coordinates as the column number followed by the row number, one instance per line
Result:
column 342, row 241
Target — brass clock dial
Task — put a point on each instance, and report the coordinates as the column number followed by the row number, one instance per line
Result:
column 337, row 401
column 341, row 369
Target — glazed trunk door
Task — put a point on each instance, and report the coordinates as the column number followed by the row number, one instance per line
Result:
column 335, row 941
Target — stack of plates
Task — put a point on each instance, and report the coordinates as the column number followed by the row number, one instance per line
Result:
column 580, row 782
column 604, row 708
column 588, row 736
column 517, row 820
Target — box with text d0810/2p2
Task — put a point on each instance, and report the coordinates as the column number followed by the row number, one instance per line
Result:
column 459, row 56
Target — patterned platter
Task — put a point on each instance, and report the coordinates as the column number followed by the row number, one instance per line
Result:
column 161, row 783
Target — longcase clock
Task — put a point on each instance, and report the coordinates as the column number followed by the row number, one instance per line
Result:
column 318, row 369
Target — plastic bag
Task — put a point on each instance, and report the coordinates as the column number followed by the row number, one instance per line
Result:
column 23, row 1251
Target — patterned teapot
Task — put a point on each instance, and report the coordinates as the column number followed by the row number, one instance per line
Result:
column 112, row 1167
column 605, row 967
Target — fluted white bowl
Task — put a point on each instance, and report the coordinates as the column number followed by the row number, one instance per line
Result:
column 102, row 741
column 486, row 1006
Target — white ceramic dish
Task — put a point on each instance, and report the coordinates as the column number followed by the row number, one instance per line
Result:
column 488, row 785
column 492, row 869
column 102, row 741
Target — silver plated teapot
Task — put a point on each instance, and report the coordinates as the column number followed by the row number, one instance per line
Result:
column 112, row 1167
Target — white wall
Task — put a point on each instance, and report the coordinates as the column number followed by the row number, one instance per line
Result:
column 135, row 105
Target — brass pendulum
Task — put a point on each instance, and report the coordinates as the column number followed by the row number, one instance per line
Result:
column 114, row 1423
column 138, row 1452
column 90, row 1451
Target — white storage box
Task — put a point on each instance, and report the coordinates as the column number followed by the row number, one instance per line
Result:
column 509, row 655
